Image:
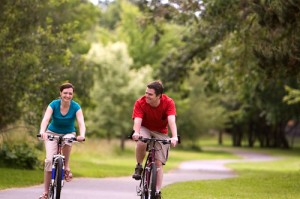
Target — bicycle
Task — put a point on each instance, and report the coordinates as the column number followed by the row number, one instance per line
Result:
column 147, row 187
column 58, row 166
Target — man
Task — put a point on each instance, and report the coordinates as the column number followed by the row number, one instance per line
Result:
column 152, row 113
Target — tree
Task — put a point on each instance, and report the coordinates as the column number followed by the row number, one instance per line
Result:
column 41, row 48
column 115, row 90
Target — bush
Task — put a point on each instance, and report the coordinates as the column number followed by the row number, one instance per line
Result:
column 18, row 156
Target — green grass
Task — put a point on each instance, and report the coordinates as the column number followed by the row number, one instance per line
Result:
column 10, row 178
column 100, row 158
column 275, row 180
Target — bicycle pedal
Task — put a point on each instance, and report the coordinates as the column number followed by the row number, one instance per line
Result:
column 138, row 192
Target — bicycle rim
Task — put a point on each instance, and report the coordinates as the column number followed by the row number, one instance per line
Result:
column 152, row 181
column 51, row 191
column 144, row 185
column 58, row 179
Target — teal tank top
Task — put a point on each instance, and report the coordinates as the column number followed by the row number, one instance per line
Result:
column 63, row 124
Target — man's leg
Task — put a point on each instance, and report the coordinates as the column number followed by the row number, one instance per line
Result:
column 160, row 174
column 140, row 152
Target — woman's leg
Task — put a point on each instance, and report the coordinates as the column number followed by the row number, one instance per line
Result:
column 66, row 152
column 51, row 149
column 47, row 179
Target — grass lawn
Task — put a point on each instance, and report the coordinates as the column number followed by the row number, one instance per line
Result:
column 257, row 180
column 100, row 158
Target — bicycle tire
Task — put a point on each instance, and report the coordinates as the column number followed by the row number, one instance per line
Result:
column 143, row 185
column 58, row 179
column 152, row 180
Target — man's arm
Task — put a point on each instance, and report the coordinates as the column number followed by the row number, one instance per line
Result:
column 173, row 127
column 137, row 123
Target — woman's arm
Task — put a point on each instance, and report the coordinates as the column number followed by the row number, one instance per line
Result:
column 81, row 125
column 45, row 122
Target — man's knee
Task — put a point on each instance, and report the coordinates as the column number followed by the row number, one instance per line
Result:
column 158, row 163
column 141, row 146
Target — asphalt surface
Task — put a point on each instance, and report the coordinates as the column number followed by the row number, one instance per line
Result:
column 125, row 187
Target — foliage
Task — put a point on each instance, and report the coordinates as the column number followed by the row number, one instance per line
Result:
column 18, row 156
column 147, row 42
column 115, row 90
column 293, row 95
column 41, row 48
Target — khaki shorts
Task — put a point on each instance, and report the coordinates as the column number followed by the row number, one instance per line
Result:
column 162, row 150
column 51, row 149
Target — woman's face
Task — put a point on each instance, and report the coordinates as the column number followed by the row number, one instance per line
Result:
column 67, row 94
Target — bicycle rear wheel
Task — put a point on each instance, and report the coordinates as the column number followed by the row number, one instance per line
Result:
column 58, row 179
column 152, row 181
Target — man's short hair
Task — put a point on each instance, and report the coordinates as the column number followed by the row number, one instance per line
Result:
column 157, row 86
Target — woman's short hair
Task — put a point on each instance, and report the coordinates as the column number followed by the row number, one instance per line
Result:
column 66, row 85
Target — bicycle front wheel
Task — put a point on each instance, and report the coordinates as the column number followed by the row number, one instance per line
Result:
column 144, row 185
column 152, row 181
column 58, row 179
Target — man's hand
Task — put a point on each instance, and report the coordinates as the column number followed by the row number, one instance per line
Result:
column 174, row 141
column 135, row 136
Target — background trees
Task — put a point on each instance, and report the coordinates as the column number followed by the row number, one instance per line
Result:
column 228, row 64
column 41, row 47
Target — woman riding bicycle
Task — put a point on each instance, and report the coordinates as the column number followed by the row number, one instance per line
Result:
column 152, row 113
column 62, row 112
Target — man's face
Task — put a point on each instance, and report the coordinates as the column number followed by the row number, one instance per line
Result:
column 151, row 97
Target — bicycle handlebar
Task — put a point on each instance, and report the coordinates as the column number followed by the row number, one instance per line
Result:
column 164, row 141
column 52, row 137
column 130, row 137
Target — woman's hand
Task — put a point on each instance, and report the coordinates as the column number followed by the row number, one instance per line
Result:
column 44, row 136
column 80, row 138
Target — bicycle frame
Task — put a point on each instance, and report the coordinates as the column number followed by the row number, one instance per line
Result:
column 58, row 167
column 147, row 187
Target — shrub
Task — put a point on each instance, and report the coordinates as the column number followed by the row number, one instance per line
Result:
column 19, row 155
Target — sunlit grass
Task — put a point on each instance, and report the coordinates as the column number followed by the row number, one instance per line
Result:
column 272, row 179
column 101, row 158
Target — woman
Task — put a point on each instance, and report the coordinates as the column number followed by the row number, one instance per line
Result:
column 62, row 112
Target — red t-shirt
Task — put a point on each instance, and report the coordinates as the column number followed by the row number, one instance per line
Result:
column 154, row 118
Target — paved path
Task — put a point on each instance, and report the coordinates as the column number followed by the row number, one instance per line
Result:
column 124, row 187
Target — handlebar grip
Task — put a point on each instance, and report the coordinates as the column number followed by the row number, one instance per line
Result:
column 130, row 136
column 179, row 140
column 38, row 135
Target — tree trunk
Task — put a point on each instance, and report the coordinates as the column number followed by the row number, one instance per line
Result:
column 220, row 138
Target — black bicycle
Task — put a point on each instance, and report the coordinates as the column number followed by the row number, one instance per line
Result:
column 58, row 166
column 147, row 186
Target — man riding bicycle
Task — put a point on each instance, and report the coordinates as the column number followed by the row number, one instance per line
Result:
column 152, row 114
